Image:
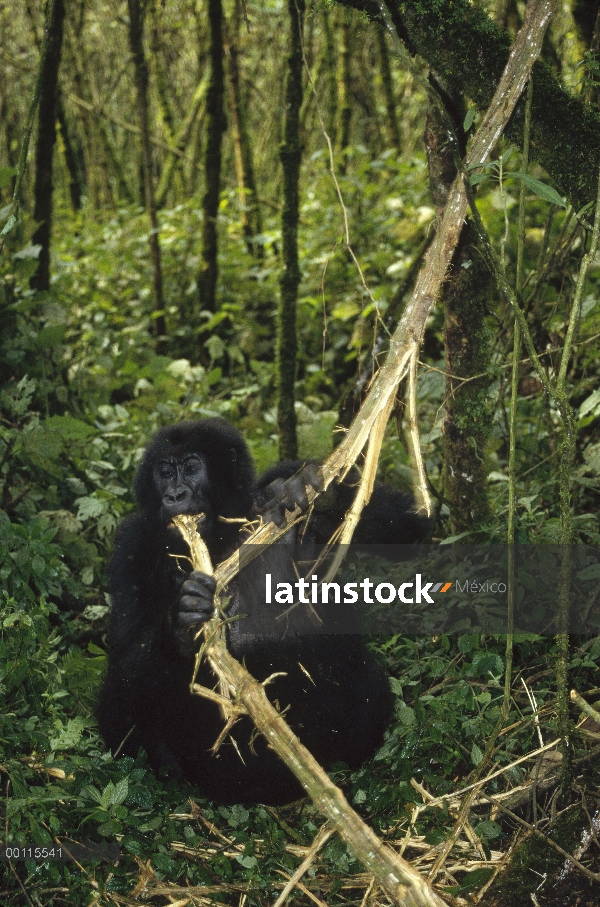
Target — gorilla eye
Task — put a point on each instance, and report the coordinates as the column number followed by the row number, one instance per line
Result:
column 191, row 466
column 165, row 471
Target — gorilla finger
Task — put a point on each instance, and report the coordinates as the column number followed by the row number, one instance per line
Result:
column 295, row 493
column 312, row 475
column 196, row 603
column 192, row 587
column 204, row 578
column 190, row 620
column 276, row 487
column 275, row 515
column 191, row 604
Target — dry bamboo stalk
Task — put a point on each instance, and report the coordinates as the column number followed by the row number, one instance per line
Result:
column 422, row 496
column 395, row 875
column 322, row 837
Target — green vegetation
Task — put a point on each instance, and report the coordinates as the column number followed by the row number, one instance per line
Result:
column 91, row 366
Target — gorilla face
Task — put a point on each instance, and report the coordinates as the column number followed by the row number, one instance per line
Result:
column 198, row 467
column 182, row 485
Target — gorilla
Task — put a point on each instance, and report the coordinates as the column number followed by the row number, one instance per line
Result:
column 335, row 696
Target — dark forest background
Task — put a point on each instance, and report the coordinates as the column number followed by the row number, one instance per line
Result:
column 220, row 208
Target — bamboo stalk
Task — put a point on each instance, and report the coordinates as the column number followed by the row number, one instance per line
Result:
column 402, row 883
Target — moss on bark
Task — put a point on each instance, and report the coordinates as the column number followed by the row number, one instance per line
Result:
column 209, row 268
column 291, row 155
column 468, row 50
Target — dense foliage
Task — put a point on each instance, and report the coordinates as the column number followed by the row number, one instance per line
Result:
column 83, row 384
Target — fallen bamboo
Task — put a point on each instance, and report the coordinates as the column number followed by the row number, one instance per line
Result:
column 403, row 883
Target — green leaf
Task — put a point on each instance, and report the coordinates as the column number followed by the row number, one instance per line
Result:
column 132, row 845
column 476, row 754
column 10, row 223
column 89, row 507
column 38, row 564
column 113, row 794
column 110, row 828
column 591, row 405
column 469, row 118
column 6, row 174
column 121, row 791
column 69, row 735
column 247, row 862
column 87, row 576
column 488, row 830
column 407, row 716
column 454, row 538
column 396, row 686
column 50, row 336
column 215, row 347
column 591, row 572
column 346, row 310
column 92, row 793
column 542, row 189
column 93, row 649
column 29, row 252
column 69, row 428
column 477, row 178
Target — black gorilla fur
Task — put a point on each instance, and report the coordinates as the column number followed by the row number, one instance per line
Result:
column 338, row 695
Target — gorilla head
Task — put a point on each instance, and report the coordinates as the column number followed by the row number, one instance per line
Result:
column 197, row 467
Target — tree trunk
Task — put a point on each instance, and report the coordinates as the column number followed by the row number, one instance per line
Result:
column 291, row 155
column 73, row 156
column 251, row 217
column 330, row 68
column 136, row 40
column 44, row 149
column 388, row 90
column 345, row 86
column 160, row 77
column 209, row 268
column 9, row 120
column 467, row 422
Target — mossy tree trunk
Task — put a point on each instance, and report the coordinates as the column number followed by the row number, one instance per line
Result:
column 330, row 68
column 244, row 165
column 467, row 422
column 46, row 139
column 73, row 156
column 345, row 85
column 136, row 41
column 388, row 89
column 291, row 155
column 209, row 267
column 161, row 77
column 468, row 50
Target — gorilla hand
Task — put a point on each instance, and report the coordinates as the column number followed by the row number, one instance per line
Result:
column 287, row 494
column 195, row 607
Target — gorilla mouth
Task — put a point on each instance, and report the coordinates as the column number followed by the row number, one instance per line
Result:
column 204, row 522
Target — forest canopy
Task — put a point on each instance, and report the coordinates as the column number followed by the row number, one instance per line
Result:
column 242, row 209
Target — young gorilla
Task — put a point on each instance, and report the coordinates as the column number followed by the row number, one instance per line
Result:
column 338, row 697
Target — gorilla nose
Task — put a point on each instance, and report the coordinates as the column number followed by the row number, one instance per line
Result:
column 176, row 497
